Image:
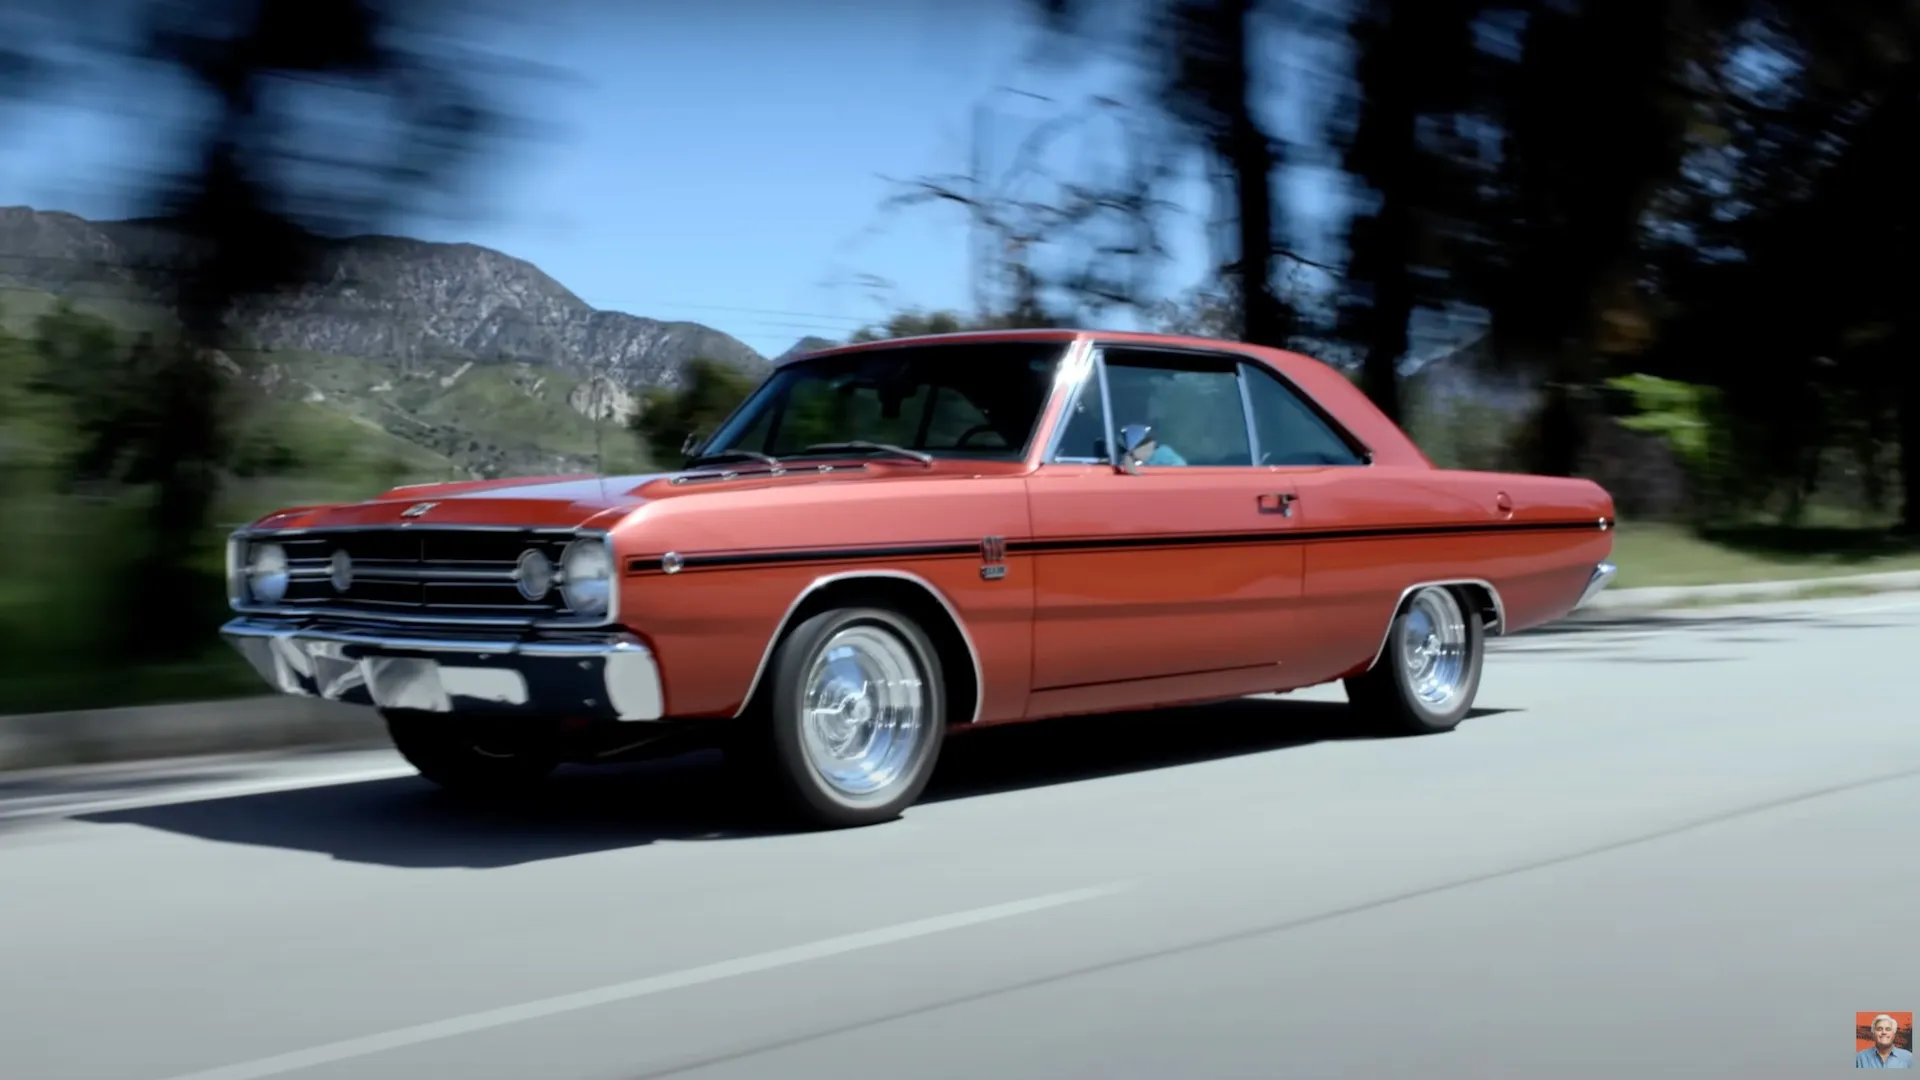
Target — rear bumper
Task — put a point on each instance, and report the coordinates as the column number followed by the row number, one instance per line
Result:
column 1602, row 577
column 611, row 676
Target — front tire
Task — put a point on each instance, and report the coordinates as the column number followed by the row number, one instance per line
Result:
column 852, row 719
column 472, row 757
column 1429, row 672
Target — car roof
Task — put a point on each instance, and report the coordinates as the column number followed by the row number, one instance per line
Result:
column 1324, row 384
column 1281, row 359
column 1062, row 334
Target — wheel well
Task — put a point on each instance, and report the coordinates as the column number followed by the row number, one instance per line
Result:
column 1483, row 601
column 1477, row 596
column 912, row 598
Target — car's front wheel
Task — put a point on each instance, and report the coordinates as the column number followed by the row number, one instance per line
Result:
column 473, row 757
column 852, row 717
column 1429, row 672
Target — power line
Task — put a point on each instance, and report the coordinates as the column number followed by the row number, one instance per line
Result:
column 314, row 302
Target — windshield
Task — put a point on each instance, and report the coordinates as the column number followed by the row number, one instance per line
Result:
column 966, row 400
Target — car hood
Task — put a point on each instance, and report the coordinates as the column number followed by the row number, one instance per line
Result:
column 534, row 502
column 568, row 502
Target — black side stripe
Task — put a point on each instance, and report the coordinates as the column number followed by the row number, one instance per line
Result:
column 953, row 549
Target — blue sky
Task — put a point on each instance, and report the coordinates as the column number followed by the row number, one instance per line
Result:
column 722, row 163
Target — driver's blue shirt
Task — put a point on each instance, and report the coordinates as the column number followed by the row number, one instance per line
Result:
column 1164, row 456
column 1870, row 1059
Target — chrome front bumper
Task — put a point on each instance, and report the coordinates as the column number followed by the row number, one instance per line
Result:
column 609, row 676
column 1602, row 577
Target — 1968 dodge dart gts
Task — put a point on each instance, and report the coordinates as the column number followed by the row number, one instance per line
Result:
column 890, row 539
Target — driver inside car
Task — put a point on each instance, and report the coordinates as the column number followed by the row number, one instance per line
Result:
column 1156, row 454
column 1144, row 405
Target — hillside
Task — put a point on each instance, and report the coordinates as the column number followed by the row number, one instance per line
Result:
column 475, row 357
column 805, row 345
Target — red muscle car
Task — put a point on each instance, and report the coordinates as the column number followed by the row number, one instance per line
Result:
column 888, row 539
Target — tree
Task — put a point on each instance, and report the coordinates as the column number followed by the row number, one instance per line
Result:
column 1050, row 247
column 1201, row 59
column 263, row 188
column 1409, row 141
column 916, row 323
column 667, row 416
column 1594, row 117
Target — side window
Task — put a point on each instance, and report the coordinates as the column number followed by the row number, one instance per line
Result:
column 1192, row 404
column 1290, row 432
column 1082, row 439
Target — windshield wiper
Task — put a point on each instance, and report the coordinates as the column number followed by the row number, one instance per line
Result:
column 735, row 455
column 862, row 444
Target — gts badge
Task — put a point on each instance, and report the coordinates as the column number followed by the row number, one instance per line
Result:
column 993, row 558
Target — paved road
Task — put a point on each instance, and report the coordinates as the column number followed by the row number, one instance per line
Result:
column 1682, row 847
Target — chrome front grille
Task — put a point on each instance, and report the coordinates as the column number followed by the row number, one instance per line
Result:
column 419, row 572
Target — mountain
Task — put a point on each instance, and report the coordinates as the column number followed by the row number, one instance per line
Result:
column 802, row 347
column 479, row 356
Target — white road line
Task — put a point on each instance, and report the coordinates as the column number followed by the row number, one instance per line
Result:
column 62, row 806
column 347, row 1049
column 1907, row 605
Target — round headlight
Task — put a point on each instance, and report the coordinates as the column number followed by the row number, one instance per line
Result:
column 267, row 573
column 586, row 577
column 533, row 575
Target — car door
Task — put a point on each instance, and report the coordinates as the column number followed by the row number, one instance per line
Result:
column 1176, row 568
column 1367, row 531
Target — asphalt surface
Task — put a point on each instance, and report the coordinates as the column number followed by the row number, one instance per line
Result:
column 1671, row 847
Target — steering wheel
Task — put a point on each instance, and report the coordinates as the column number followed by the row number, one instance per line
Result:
column 977, row 429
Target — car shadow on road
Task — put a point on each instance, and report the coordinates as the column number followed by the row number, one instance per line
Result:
column 407, row 823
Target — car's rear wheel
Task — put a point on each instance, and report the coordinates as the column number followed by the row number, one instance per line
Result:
column 1429, row 672
column 851, row 720
column 473, row 756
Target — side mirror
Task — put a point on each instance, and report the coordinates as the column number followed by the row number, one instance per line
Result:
column 1136, row 445
column 690, row 446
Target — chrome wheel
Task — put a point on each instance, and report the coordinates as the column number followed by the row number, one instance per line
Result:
column 864, row 710
column 1433, row 649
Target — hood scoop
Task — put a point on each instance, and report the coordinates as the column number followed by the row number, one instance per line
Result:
column 758, row 472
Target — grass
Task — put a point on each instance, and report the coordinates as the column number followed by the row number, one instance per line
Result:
column 1666, row 555
column 216, row 674
column 1817, row 591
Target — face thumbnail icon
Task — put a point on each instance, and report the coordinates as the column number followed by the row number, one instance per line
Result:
column 1883, row 1040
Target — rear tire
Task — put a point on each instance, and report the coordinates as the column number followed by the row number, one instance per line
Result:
column 471, row 757
column 1429, row 672
column 851, row 720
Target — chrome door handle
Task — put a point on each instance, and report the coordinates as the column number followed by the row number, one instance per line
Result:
column 1279, row 503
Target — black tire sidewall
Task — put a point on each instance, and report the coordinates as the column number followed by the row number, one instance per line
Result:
column 814, row 797
column 439, row 750
column 1415, row 715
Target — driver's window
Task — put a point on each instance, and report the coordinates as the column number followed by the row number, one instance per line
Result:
column 1192, row 404
column 1080, row 440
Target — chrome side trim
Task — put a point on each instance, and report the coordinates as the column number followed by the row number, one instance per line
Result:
column 1498, row 628
column 1603, row 575
column 780, row 630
